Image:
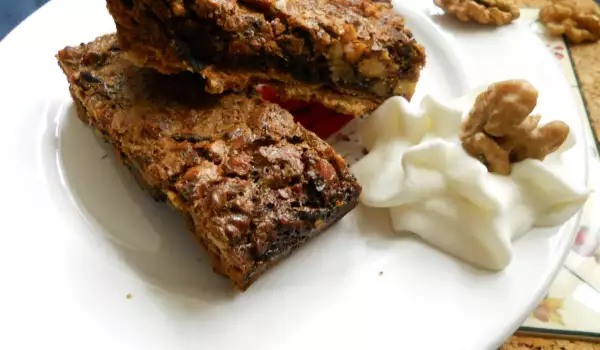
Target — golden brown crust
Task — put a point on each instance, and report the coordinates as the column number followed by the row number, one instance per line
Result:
column 253, row 184
column 344, row 44
column 343, row 103
column 349, row 102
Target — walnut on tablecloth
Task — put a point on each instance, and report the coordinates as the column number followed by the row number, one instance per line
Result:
column 568, row 17
column 495, row 12
column 500, row 129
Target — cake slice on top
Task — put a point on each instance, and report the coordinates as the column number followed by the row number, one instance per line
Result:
column 357, row 49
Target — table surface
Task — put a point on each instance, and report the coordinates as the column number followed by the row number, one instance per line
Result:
column 585, row 59
column 12, row 12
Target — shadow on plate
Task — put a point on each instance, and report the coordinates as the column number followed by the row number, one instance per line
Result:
column 149, row 237
column 375, row 227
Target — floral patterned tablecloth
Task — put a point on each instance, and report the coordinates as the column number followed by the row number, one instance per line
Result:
column 572, row 304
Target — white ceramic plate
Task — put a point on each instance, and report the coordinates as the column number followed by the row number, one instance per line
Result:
column 78, row 236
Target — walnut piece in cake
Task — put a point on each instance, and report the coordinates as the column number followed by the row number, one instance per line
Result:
column 500, row 129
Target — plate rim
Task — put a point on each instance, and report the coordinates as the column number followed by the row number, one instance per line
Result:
column 565, row 242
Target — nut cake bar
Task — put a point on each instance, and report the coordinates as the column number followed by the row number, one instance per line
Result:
column 355, row 47
column 253, row 184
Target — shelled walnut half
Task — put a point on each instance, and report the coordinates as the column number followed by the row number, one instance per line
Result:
column 568, row 17
column 500, row 129
column 496, row 12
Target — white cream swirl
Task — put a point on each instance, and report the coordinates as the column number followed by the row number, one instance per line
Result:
column 418, row 169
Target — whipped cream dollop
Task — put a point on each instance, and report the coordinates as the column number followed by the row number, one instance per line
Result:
column 417, row 167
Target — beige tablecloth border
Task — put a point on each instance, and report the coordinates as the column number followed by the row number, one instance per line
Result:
column 586, row 58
